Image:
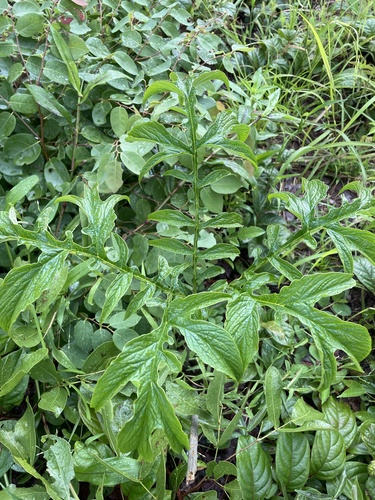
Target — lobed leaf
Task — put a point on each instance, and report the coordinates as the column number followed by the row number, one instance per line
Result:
column 114, row 294
column 60, row 466
column 152, row 410
column 24, row 285
column 100, row 215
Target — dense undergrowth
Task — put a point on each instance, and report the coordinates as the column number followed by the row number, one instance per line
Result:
column 187, row 249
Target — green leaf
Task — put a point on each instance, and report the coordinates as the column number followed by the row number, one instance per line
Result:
column 21, row 441
column 242, row 322
column 342, row 418
column 119, row 120
column 292, row 460
column 21, row 149
column 220, row 251
column 114, row 293
column 334, row 333
column 102, row 79
column 54, row 400
column 253, row 468
column 100, row 215
column 223, row 220
column 131, row 364
column 236, row 148
column 192, row 303
column 24, row 285
column 60, row 466
column 29, row 493
column 24, row 364
column 219, row 129
column 209, row 76
column 156, row 133
column 152, row 410
column 48, row 101
column 215, row 395
column 214, row 345
column 23, row 103
column 155, row 160
column 161, row 87
column 20, row 190
column 214, row 176
column 172, row 245
column 302, row 413
column 311, row 288
column 365, row 272
column 172, row 218
column 30, row 470
column 7, row 124
column 229, row 185
column 327, row 455
column 285, row 268
column 212, row 201
column 272, row 390
column 67, row 57
column 30, row 25
column 95, row 463
column 126, row 62
column 359, row 240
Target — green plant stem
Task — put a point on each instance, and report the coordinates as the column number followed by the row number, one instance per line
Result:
column 33, row 312
column 196, row 193
column 76, row 134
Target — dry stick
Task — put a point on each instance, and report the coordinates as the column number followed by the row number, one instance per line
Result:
column 193, row 452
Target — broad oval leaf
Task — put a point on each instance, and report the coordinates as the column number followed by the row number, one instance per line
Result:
column 292, row 460
column 97, row 464
column 327, row 455
column 214, row 345
column 242, row 322
column 119, row 120
column 29, row 25
column 341, row 417
column 21, row 149
column 253, row 469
